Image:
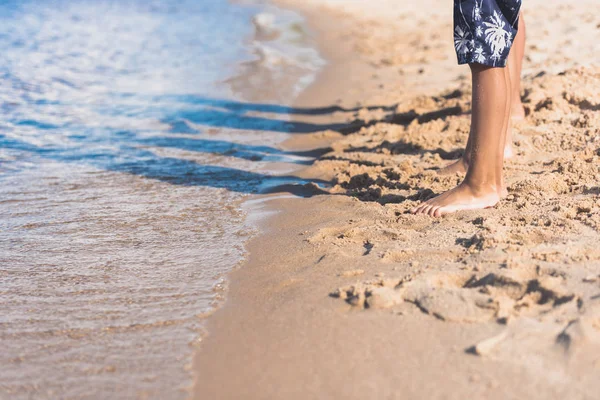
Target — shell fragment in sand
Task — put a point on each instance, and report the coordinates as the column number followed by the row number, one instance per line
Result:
column 487, row 346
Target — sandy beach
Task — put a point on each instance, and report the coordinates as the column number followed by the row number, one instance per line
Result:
column 347, row 295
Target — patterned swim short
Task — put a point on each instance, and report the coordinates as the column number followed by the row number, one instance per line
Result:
column 484, row 30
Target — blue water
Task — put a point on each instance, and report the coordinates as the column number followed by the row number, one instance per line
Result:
column 130, row 132
column 94, row 81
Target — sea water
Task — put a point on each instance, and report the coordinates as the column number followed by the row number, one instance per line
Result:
column 130, row 133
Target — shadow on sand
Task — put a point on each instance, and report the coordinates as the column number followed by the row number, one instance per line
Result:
column 129, row 151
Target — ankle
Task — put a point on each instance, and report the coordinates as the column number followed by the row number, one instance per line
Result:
column 481, row 188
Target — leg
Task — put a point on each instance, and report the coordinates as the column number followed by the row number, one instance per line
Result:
column 515, row 62
column 482, row 185
column 506, row 132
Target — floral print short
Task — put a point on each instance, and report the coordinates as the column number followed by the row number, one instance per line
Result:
column 484, row 30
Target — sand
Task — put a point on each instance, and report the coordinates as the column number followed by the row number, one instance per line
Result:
column 347, row 295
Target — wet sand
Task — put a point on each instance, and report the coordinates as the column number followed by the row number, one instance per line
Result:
column 348, row 295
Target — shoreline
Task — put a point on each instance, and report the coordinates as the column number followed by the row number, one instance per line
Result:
column 281, row 335
column 326, row 90
column 267, row 209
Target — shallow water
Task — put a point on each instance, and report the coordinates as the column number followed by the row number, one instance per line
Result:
column 126, row 147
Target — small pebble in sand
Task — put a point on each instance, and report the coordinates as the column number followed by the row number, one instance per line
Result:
column 350, row 274
column 358, row 299
column 339, row 293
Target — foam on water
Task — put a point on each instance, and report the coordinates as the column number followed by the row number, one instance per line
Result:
column 125, row 150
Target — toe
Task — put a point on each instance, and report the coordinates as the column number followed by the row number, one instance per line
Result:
column 422, row 209
column 415, row 209
column 427, row 211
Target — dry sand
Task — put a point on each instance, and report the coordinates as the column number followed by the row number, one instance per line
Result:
column 346, row 295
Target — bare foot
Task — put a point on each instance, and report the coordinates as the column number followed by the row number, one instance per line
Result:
column 462, row 197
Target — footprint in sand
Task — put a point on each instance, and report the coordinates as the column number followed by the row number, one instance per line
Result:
column 466, row 297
